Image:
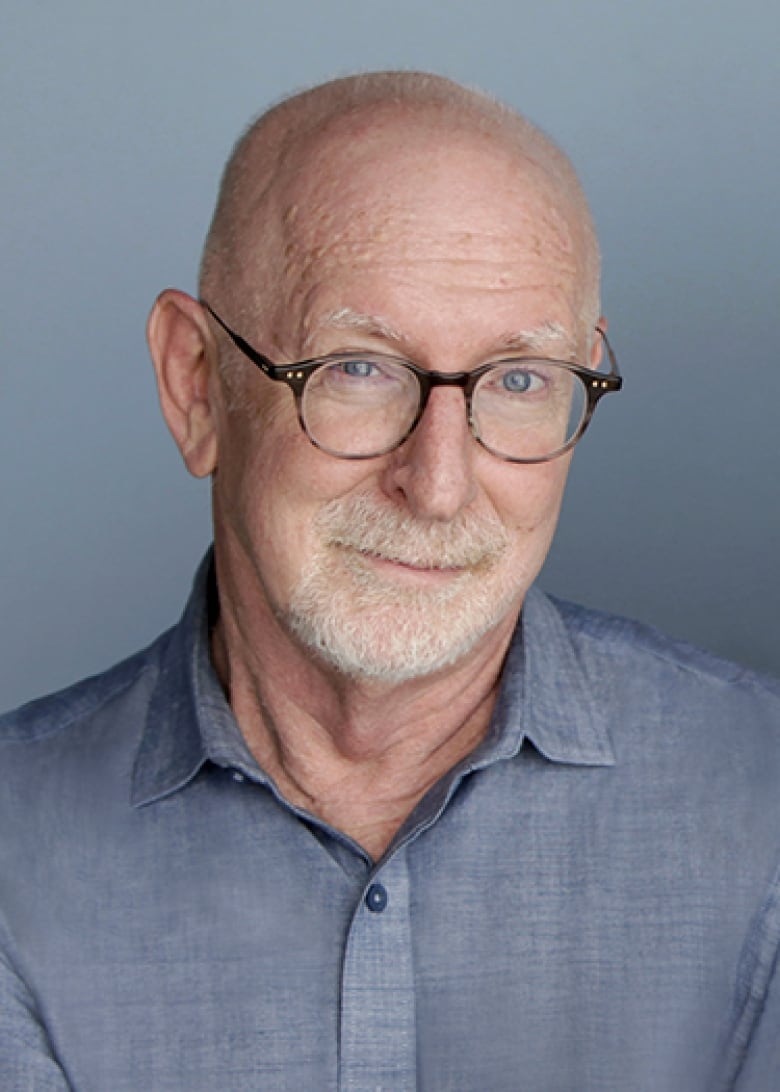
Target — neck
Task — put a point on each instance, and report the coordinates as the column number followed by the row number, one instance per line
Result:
column 356, row 753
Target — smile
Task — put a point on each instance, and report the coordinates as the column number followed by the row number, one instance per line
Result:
column 413, row 571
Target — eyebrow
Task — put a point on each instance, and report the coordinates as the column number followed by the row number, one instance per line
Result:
column 347, row 319
column 534, row 340
column 537, row 339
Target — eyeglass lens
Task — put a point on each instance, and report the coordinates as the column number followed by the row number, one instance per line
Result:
column 520, row 410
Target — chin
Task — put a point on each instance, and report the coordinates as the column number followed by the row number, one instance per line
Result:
column 391, row 635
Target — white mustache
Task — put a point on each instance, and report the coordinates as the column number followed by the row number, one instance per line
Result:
column 361, row 524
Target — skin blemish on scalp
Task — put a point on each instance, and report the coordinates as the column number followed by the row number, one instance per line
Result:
column 562, row 228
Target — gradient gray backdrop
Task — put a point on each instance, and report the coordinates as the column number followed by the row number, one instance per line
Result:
column 116, row 119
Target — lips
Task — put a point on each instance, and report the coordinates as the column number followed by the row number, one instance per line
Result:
column 417, row 563
column 386, row 534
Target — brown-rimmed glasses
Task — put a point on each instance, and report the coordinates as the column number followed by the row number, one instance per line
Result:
column 359, row 405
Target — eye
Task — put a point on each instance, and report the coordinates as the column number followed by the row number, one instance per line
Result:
column 520, row 381
column 359, row 369
column 517, row 381
column 363, row 377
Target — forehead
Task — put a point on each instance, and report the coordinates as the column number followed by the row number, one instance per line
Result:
column 405, row 180
column 403, row 203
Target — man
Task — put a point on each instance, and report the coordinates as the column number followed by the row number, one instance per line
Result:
column 377, row 814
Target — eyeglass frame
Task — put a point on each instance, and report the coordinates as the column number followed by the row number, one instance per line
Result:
column 297, row 375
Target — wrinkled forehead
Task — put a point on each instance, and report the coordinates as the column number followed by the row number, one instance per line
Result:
column 406, row 182
column 392, row 201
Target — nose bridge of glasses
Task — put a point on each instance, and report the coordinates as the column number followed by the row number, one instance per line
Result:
column 428, row 380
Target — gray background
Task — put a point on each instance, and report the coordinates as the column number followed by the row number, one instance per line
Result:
column 116, row 119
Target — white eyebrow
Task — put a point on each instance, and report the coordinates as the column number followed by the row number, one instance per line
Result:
column 347, row 319
column 534, row 340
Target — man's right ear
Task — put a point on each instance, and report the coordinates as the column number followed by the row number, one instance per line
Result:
column 183, row 352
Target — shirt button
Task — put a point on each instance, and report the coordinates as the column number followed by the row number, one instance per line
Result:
column 237, row 775
column 376, row 898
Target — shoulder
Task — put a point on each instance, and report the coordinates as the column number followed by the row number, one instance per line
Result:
column 65, row 712
column 654, row 693
column 67, row 760
column 630, row 643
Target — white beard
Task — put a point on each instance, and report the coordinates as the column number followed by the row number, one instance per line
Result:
column 364, row 624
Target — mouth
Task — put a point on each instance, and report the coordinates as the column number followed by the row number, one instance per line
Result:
column 415, row 566
column 416, row 571
column 373, row 538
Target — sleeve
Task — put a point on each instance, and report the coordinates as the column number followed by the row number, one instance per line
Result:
column 27, row 1062
column 760, row 1067
column 751, row 1058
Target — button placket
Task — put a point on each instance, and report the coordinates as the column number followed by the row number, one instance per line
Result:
column 377, row 1047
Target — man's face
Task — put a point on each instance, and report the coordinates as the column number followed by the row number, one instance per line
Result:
column 450, row 253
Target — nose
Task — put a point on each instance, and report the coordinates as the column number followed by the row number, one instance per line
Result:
column 433, row 470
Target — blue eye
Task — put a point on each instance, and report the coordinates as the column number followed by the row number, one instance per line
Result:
column 359, row 369
column 360, row 375
column 517, row 381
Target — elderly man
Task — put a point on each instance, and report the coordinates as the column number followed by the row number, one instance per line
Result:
column 378, row 814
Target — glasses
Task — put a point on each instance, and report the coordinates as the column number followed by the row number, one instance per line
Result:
column 358, row 405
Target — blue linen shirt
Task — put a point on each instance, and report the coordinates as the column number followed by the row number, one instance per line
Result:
column 587, row 903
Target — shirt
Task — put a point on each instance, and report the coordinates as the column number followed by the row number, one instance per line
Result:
column 585, row 904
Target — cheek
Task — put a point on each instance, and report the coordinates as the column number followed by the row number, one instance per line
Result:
column 271, row 484
column 255, row 440
column 528, row 498
column 531, row 514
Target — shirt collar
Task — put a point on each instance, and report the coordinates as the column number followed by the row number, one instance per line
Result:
column 189, row 721
column 546, row 696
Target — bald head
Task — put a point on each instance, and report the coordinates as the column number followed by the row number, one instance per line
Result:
column 266, row 208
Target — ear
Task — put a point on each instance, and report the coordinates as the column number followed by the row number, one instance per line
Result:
column 183, row 352
column 597, row 348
